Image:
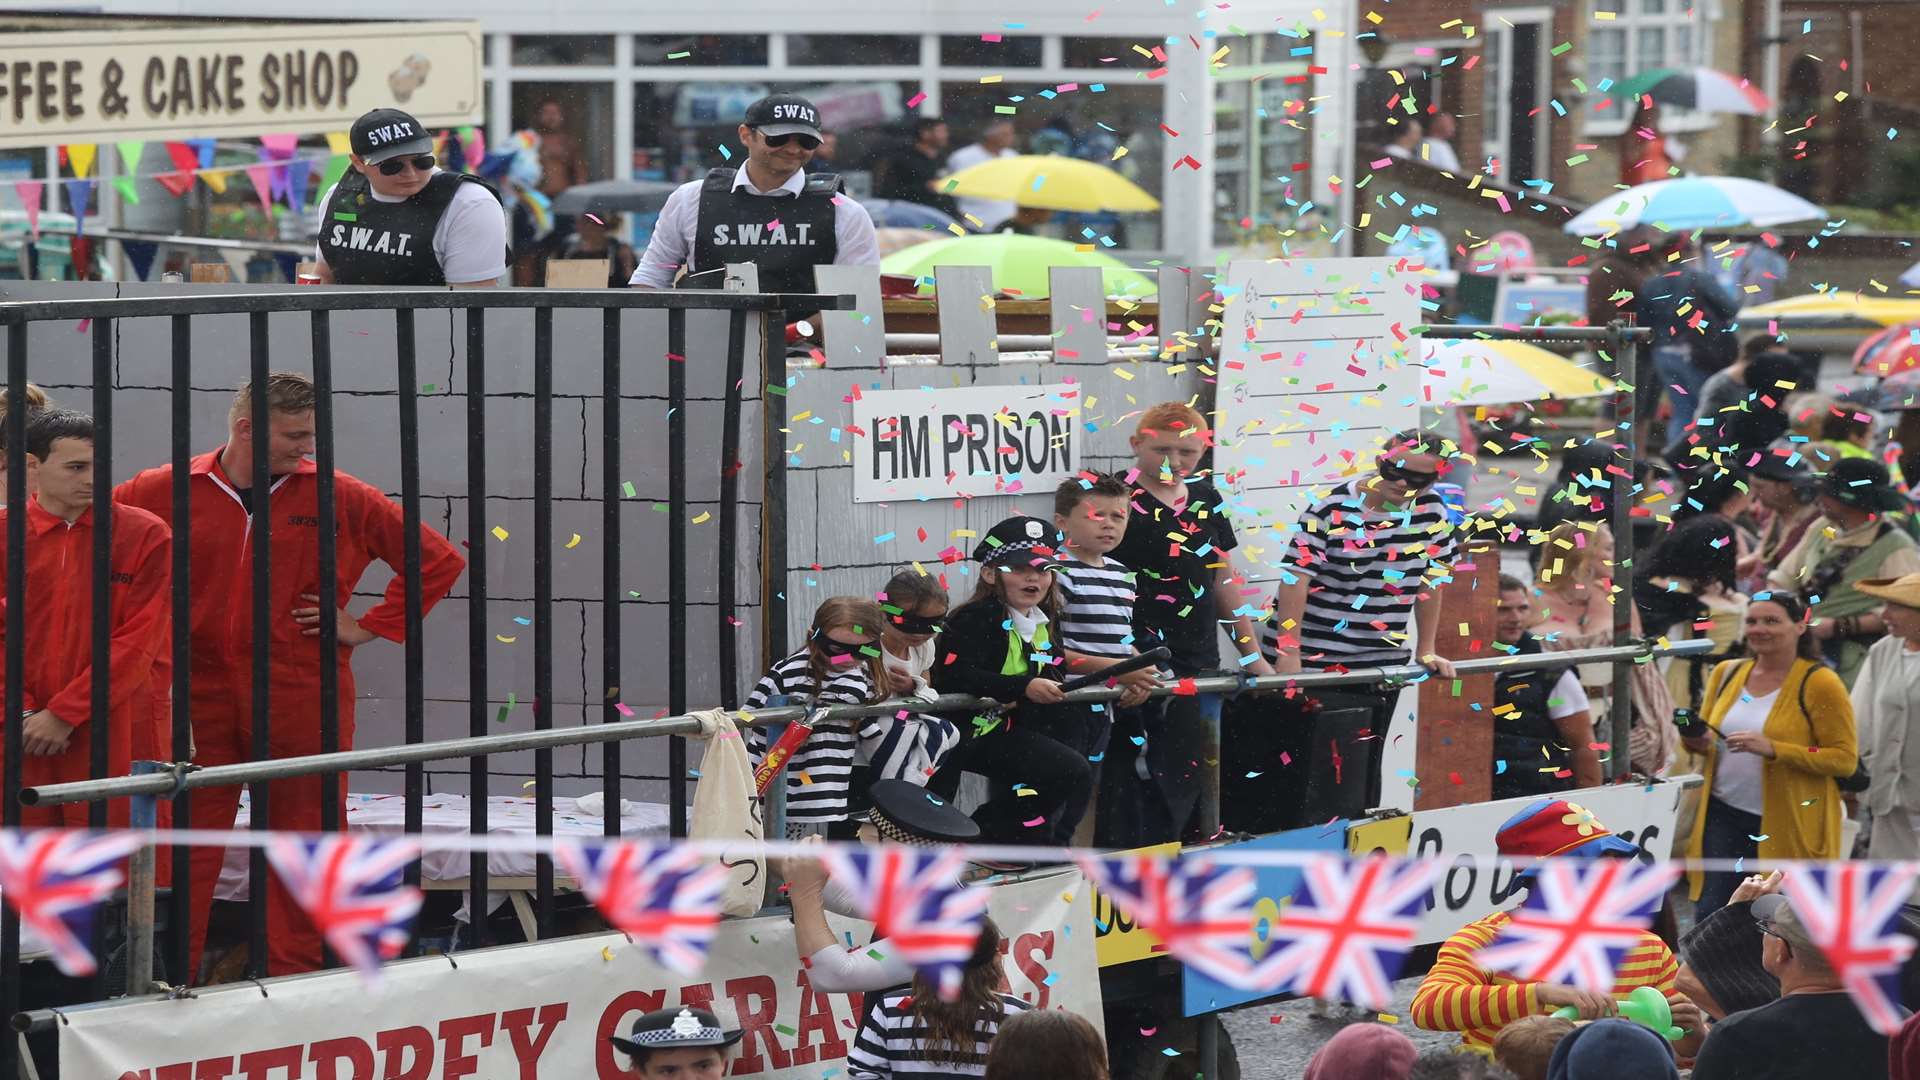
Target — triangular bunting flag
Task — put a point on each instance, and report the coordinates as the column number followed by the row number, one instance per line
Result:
column 1200, row 908
column 298, row 171
column 1348, row 930
column 80, row 156
column 1579, row 921
column 215, row 179
column 280, row 146
column 79, row 197
column 56, row 879
column 176, row 183
column 204, row 148
column 183, row 157
column 30, row 193
column 140, row 253
column 667, row 899
column 920, row 911
column 262, row 177
column 350, row 887
column 1852, row 912
column 335, row 169
column 128, row 189
column 339, row 143
column 130, row 151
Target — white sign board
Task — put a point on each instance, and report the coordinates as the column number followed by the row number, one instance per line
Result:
column 1317, row 367
column 937, row 443
column 546, row 1009
column 111, row 85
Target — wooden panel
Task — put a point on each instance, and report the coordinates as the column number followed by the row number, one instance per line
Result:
column 211, row 273
column 1078, row 324
column 856, row 338
column 1454, row 753
column 577, row 273
column 968, row 331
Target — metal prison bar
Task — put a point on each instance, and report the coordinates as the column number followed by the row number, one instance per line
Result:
column 18, row 317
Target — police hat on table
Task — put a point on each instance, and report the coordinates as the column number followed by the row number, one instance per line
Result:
column 383, row 134
column 906, row 813
column 784, row 114
column 1863, row 483
column 680, row 1028
column 1020, row 542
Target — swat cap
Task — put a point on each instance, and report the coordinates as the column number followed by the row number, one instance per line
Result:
column 784, row 114
column 383, row 134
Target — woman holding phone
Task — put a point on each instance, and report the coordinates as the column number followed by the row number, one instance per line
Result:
column 1777, row 734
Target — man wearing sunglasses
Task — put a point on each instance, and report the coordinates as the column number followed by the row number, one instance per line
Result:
column 768, row 212
column 397, row 219
column 1364, row 559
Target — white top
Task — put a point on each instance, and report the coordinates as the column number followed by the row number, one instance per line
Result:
column 1439, row 154
column 672, row 243
column 1736, row 777
column 915, row 665
column 470, row 241
column 1567, row 696
column 991, row 212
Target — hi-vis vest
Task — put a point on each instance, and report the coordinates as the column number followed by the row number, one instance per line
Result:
column 784, row 237
column 369, row 242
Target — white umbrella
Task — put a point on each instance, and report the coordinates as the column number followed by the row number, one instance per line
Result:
column 1471, row 371
column 1694, row 202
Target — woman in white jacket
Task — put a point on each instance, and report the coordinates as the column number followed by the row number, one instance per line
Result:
column 1886, row 708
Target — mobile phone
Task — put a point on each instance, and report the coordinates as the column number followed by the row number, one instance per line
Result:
column 1687, row 723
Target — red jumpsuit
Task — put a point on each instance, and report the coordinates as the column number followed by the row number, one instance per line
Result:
column 59, row 625
column 369, row 527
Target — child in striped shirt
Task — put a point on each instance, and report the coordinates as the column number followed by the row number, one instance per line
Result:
column 1096, row 592
column 906, row 745
column 909, row 1032
column 839, row 665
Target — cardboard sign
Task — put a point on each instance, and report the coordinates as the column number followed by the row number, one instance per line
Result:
column 1117, row 939
column 938, row 443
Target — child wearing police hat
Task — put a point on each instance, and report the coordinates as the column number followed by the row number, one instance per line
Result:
column 1000, row 644
column 684, row 1043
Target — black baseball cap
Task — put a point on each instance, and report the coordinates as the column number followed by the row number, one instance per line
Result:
column 388, row 133
column 784, row 114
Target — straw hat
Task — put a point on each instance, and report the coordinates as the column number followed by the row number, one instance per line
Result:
column 1904, row 591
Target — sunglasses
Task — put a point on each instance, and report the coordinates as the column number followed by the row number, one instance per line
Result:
column 913, row 624
column 1766, row 928
column 807, row 142
column 423, row 163
column 1408, row 477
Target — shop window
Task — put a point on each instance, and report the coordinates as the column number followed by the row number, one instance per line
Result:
column 852, row 50
column 555, row 50
column 1113, row 52
column 701, row 50
column 973, row 50
column 585, row 112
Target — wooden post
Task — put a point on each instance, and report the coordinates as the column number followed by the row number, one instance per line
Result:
column 1454, row 755
column 577, row 273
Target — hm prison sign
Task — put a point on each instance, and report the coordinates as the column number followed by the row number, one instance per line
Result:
column 938, row 443
column 109, row 86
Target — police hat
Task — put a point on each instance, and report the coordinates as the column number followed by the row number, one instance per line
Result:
column 1020, row 542
column 906, row 813
column 383, row 134
column 784, row 114
column 675, row 1029
column 1783, row 461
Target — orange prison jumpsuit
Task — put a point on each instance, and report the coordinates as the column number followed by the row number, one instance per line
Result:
column 369, row 527
column 59, row 643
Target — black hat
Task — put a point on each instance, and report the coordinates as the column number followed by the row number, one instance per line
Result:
column 784, row 114
column 675, row 1029
column 1863, row 483
column 1774, row 375
column 1021, row 541
column 906, row 813
column 1782, row 461
column 388, row 133
column 1723, row 950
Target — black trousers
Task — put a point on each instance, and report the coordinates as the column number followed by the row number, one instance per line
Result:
column 1045, row 750
column 1728, row 833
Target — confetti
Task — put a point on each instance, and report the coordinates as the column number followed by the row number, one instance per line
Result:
column 500, row 533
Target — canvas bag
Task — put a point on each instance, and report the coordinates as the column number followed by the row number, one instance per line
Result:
column 725, row 809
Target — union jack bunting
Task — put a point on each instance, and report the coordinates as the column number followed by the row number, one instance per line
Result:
column 350, row 887
column 666, row 898
column 1849, row 910
column 1200, row 909
column 1348, row 929
column 1579, row 920
column 55, row 878
column 917, row 905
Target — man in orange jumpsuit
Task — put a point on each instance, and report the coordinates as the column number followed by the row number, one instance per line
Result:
column 368, row 526
column 58, row 678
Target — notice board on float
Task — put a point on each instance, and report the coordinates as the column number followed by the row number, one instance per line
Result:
column 1318, row 365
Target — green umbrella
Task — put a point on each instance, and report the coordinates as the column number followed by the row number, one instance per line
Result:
column 1019, row 263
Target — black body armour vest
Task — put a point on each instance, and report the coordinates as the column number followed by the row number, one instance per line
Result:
column 784, row 237
column 1523, row 734
column 368, row 242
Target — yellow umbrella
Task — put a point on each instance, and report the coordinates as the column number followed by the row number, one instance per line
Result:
column 1834, row 310
column 1474, row 372
column 1051, row 183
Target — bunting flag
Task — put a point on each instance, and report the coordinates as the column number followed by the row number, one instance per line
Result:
column 80, row 157
column 666, row 898
column 55, row 878
column 336, row 168
column 128, row 189
column 349, row 885
column 339, row 143
column 216, row 179
column 1851, row 911
column 30, row 193
column 79, row 197
column 280, row 147
column 1348, row 929
column 130, row 151
column 262, row 186
column 204, row 149
column 1579, row 921
column 298, row 170
column 917, row 905
column 1201, row 910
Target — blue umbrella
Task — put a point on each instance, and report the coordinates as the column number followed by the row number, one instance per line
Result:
column 901, row 214
column 1694, row 202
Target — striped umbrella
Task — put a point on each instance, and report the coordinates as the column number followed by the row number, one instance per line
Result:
column 1694, row 202
column 1696, row 88
column 1897, row 348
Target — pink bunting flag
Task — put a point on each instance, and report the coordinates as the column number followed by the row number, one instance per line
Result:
column 262, row 177
column 280, row 146
column 30, row 192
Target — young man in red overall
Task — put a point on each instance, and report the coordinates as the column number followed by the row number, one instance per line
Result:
column 368, row 526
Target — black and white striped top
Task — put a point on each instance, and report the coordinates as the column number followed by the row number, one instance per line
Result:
column 817, row 778
column 1096, row 607
column 891, row 1041
column 1364, row 570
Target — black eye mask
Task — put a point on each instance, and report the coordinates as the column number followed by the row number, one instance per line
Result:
column 918, row 624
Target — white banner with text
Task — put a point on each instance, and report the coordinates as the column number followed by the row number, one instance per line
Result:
column 943, row 442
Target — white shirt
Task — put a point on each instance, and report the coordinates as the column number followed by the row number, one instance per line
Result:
column 1439, row 154
column 672, row 243
column 915, row 665
column 1567, row 696
column 1736, row 777
column 470, row 241
column 991, row 212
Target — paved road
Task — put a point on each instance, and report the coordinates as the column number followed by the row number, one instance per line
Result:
column 1274, row 1042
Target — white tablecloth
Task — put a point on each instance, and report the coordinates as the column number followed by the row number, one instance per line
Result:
column 506, row 814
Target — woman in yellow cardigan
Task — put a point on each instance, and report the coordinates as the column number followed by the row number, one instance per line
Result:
column 1781, row 735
